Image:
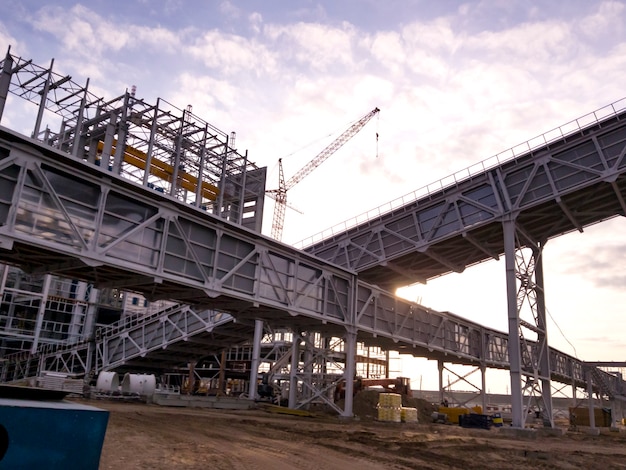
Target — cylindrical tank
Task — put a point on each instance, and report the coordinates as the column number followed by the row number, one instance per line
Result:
column 108, row 382
column 141, row 384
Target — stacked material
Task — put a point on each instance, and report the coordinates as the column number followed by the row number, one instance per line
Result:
column 390, row 407
column 408, row 415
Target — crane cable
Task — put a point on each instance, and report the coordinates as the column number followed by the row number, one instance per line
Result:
column 377, row 122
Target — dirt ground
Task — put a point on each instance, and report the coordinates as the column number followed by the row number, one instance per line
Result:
column 146, row 436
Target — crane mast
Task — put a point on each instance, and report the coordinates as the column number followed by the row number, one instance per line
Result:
column 280, row 194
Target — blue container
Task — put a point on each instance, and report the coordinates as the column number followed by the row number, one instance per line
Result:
column 50, row 434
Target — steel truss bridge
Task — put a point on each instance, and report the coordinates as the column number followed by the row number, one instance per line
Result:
column 197, row 242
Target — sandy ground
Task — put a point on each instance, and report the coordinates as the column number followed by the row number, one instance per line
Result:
column 143, row 436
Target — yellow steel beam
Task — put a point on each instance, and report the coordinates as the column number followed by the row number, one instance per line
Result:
column 165, row 171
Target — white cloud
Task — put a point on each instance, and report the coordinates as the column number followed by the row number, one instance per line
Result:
column 85, row 33
column 172, row 6
column 608, row 20
column 316, row 46
column 232, row 54
column 230, row 10
column 256, row 22
column 79, row 31
column 17, row 47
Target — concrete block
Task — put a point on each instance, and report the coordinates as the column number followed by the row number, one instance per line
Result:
column 525, row 433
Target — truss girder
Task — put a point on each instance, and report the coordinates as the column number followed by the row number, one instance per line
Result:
column 565, row 185
column 111, row 230
column 76, row 360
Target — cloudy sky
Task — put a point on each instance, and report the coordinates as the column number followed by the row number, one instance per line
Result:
column 456, row 82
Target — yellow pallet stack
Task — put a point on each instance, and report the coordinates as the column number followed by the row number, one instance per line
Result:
column 408, row 415
column 390, row 407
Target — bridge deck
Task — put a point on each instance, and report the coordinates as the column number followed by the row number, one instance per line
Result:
column 569, row 183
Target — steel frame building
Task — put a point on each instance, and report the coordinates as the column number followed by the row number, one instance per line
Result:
column 151, row 199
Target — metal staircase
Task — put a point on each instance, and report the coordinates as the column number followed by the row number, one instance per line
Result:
column 171, row 338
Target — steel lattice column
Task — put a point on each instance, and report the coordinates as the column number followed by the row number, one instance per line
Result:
column 528, row 355
column 515, row 358
column 543, row 356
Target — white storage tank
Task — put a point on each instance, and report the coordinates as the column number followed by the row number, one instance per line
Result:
column 141, row 384
column 108, row 382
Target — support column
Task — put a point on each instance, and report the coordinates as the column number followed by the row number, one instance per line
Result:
column 572, row 419
column 42, row 103
column 191, row 380
column 293, row 371
column 41, row 312
column 109, row 138
column 440, row 370
column 308, row 366
column 256, row 359
column 78, row 292
column 542, row 340
column 592, row 414
column 483, row 387
column 5, row 80
column 349, row 372
column 221, row 378
column 617, row 406
column 515, row 357
column 91, row 313
column 77, row 148
column 120, row 145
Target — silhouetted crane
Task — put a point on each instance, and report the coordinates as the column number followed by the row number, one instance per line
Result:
column 280, row 194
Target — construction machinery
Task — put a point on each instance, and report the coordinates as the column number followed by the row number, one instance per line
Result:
column 280, row 194
column 399, row 385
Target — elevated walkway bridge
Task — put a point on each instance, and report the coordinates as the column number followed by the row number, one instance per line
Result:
column 64, row 212
column 560, row 182
column 104, row 230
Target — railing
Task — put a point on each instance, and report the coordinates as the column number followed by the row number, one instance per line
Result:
column 511, row 154
column 130, row 321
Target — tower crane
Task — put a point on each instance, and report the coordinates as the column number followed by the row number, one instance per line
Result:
column 280, row 194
